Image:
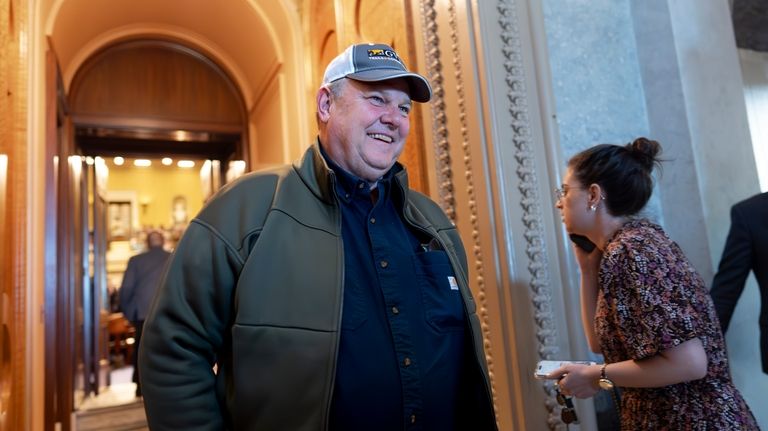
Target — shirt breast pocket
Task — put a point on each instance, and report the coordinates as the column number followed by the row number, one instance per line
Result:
column 443, row 306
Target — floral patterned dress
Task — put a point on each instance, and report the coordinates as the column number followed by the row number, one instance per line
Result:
column 652, row 299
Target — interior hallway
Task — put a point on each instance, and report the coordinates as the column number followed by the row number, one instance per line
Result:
column 519, row 86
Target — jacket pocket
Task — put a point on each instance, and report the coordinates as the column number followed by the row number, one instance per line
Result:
column 443, row 306
column 268, row 364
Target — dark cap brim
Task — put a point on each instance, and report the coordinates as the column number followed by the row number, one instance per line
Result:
column 419, row 88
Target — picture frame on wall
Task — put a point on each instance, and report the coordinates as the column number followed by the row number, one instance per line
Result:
column 119, row 220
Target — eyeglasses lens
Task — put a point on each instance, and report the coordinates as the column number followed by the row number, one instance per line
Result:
column 559, row 193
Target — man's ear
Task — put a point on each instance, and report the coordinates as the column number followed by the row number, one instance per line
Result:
column 323, row 104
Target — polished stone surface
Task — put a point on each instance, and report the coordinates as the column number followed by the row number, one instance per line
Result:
column 116, row 408
column 596, row 77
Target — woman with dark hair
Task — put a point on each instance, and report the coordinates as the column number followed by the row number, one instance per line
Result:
column 643, row 305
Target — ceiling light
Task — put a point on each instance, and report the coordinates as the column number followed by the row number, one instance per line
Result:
column 167, row 161
column 185, row 164
column 181, row 135
column 118, row 161
column 142, row 163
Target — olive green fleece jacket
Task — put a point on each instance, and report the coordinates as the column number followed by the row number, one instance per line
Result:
column 256, row 286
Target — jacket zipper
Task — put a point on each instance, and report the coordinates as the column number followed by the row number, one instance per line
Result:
column 332, row 382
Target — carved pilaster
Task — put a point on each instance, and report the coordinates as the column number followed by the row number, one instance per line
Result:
column 472, row 201
column 536, row 252
column 446, row 197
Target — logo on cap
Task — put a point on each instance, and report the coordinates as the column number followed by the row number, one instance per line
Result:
column 383, row 54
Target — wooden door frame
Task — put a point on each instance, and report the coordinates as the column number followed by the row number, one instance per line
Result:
column 59, row 348
column 50, row 238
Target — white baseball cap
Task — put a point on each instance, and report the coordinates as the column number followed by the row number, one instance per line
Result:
column 371, row 62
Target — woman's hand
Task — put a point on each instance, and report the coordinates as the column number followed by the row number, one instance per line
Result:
column 683, row 363
column 577, row 380
column 589, row 262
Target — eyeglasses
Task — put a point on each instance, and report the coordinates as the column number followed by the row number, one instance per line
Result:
column 567, row 411
column 559, row 193
column 562, row 191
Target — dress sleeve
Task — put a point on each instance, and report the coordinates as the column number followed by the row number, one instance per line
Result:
column 654, row 301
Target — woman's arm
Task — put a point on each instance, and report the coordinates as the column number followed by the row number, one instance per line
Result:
column 588, row 305
column 589, row 264
column 682, row 363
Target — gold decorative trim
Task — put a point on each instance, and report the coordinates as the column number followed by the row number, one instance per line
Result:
column 447, row 199
column 541, row 297
column 472, row 204
column 443, row 158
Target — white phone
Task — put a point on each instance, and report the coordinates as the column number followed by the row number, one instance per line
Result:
column 544, row 368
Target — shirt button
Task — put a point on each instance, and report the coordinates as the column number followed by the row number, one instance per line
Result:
column 395, row 310
column 373, row 219
column 407, row 361
column 413, row 419
column 346, row 195
column 360, row 186
column 384, row 264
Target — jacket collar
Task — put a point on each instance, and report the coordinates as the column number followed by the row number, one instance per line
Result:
column 320, row 179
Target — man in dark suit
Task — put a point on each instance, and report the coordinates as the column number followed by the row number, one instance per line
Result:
column 140, row 281
column 745, row 249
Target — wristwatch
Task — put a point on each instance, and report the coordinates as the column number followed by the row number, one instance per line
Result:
column 605, row 382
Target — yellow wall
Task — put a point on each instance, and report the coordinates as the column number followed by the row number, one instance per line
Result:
column 155, row 188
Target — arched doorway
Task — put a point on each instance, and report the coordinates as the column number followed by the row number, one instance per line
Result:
column 139, row 80
column 143, row 98
column 266, row 49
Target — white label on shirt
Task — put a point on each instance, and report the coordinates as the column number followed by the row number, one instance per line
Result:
column 452, row 283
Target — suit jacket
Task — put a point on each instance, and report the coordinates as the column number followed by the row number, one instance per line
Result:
column 745, row 249
column 140, row 282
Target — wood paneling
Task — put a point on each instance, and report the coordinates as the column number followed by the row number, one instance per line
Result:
column 155, row 80
column 323, row 38
column 13, row 201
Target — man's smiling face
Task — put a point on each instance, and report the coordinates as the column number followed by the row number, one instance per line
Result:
column 366, row 125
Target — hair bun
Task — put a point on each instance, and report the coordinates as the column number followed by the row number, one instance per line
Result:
column 644, row 150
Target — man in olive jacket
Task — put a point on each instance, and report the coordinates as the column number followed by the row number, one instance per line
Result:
column 327, row 295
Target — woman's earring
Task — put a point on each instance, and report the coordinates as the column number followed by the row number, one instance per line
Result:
column 593, row 207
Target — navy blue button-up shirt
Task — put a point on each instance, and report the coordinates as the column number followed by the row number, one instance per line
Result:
column 402, row 352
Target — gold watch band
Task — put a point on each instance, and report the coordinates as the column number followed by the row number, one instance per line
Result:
column 605, row 382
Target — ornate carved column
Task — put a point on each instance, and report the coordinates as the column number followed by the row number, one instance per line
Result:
column 493, row 164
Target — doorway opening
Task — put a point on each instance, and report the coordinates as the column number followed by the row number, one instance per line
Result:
column 150, row 130
column 130, row 197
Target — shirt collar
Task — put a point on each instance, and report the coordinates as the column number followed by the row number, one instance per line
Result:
column 348, row 185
